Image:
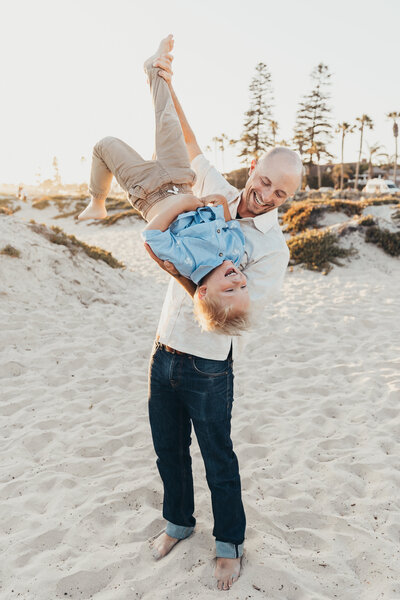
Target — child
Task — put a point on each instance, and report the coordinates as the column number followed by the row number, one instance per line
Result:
column 202, row 242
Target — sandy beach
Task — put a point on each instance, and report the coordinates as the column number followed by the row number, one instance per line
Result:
column 315, row 427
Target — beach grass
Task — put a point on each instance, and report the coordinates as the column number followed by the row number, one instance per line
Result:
column 387, row 240
column 9, row 250
column 317, row 249
column 57, row 236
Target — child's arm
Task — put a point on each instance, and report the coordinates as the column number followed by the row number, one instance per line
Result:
column 163, row 220
column 216, row 200
column 166, row 265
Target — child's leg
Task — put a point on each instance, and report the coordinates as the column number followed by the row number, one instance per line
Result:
column 170, row 144
column 111, row 157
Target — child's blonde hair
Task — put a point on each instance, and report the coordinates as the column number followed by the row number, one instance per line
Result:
column 215, row 316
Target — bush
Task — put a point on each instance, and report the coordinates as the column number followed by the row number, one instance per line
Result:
column 41, row 203
column 10, row 251
column 385, row 239
column 366, row 221
column 316, row 249
column 301, row 215
column 57, row 236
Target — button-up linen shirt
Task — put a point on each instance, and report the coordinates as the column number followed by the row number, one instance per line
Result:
column 264, row 263
column 198, row 241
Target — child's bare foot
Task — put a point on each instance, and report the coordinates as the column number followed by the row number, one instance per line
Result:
column 95, row 210
column 162, row 545
column 227, row 571
column 162, row 52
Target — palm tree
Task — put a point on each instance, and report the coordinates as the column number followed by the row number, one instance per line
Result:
column 395, row 116
column 274, row 130
column 364, row 121
column 220, row 140
column 345, row 128
column 318, row 148
column 373, row 150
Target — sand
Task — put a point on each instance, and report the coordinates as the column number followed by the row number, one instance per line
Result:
column 315, row 427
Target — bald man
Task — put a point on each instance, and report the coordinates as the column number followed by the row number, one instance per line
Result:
column 191, row 372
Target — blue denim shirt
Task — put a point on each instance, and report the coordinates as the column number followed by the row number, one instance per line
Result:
column 198, row 241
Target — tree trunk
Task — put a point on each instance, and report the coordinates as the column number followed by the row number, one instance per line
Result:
column 341, row 166
column 359, row 158
column 395, row 161
column 319, row 174
column 370, row 168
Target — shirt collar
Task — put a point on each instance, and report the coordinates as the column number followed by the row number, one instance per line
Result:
column 262, row 222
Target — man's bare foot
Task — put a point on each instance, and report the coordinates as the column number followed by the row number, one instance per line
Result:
column 162, row 52
column 95, row 210
column 162, row 545
column 227, row 571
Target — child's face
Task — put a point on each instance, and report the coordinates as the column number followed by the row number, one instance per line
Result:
column 229, row 284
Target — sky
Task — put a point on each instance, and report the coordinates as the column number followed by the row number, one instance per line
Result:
column 71, row 72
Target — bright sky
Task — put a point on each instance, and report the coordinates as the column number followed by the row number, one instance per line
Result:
column 71, row 71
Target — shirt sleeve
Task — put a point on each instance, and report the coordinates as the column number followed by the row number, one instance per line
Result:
column 165, row 245
column 209, row 180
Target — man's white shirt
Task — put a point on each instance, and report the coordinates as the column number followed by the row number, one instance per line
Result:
column 264, row 263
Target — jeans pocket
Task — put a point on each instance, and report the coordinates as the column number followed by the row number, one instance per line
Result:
column 210, row 368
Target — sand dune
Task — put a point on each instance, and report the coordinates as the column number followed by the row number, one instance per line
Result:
column 315, row 426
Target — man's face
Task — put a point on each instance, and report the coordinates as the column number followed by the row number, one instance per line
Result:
column 272, row 181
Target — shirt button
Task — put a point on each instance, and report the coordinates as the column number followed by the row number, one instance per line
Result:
column 220, row 254
column 218, row 231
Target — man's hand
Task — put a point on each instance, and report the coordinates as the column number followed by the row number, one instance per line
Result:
column 170, row 268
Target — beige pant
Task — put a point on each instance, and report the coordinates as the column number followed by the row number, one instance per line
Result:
column 145, row 181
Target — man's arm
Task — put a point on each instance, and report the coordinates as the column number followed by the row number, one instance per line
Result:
column 190, row 139
column 167, row 266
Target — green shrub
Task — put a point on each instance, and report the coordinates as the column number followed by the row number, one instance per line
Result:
column 316, row 249
column 366, row 221
column 301, row 215
column 385, row 239
column 10, row 251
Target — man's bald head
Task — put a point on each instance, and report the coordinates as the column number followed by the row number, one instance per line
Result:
column 283, row 159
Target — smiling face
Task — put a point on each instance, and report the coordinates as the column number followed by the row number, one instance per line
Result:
column 273, row 180
column 228, row 284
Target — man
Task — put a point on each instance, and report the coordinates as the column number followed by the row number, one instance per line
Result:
column 191, row 377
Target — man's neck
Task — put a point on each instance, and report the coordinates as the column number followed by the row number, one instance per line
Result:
column 238, row 215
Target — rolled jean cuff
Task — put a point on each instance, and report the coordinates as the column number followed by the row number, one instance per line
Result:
column 228, row 550
column 178, row 531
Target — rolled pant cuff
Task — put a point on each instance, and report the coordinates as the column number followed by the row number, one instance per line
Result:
column 228, row 550
column 178, row 531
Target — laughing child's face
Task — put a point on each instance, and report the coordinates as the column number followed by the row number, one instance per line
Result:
column 228, row 284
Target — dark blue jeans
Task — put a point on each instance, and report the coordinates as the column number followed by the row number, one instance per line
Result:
column 184, row 390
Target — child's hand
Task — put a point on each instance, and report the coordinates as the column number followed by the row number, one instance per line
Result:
column 218, row 200
column 215, row 200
